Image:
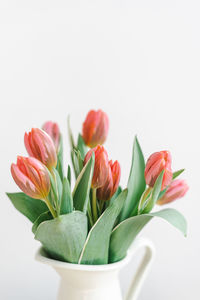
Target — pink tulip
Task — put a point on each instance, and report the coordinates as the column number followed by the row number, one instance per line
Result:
column 156, row 163
column 95, row 128
column 40, row 145
column 177, row 189
column 32, row 177
column 53, row 130
column 101, row 166
column 109, row 188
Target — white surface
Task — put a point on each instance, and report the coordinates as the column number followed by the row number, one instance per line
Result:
column 140, row 62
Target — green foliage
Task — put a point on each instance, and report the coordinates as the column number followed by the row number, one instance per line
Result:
column 177, row 173
column 66, row 201
column 71, row 138
column 96, row 247
column 29, row 207
column 55, row 194
column 69, row 175
column 148, row 205
column 136, row 182
column 43, row 217
column 59, row 166
column 82, row 187
column 81, row 146
column 116, row 194
column 124, row 234
column 77, row 162
column 63, row 238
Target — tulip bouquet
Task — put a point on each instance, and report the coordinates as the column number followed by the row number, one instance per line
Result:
column 95, row 221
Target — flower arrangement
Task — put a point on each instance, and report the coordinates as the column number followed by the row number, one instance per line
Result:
column 95, row 221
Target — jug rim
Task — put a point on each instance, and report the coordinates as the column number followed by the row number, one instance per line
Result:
column 42, row 257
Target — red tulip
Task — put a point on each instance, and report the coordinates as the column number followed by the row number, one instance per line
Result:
column 156, row 163
column 95, row 128
column 177, row 189
column 32, row 177
column 101, row 166
column 53, row 130
column 109, row 188
column 40, row 145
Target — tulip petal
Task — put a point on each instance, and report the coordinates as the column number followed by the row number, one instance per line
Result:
column 95, row 128
column 40, row 145
column 27, row 144
column 24, row 182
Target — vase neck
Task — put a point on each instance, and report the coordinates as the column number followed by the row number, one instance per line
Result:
column 85, row 285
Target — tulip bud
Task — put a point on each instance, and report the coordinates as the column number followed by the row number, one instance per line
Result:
column 31, row 176
column 53, row 131
column 95, row 128
column 156, row 163
column 101, row 166
column 40, row 145
column 109, row 188
column 177, row 189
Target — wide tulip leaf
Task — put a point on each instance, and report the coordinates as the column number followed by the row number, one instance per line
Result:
column 136, row 182
column 123, row 235
column 43, row 217
column 63, row 238
column 96, row 248
column 116, row 194
column 66, row 201
column 81, row 146
column 82, row 186
column 29, row 207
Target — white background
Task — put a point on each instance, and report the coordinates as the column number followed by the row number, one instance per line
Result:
column 140, row 62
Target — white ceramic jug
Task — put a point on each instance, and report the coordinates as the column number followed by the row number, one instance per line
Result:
column 99, row 282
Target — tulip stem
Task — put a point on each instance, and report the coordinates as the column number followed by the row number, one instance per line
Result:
column 56, row 191
column 94, row 205
column 50, row 207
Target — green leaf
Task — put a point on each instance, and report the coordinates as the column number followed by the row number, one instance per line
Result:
column 162, row 193
column 81, row 146
column 43, row 217
column 116, row 194
column 71, row 138
column 59, row 185
column 77, row 161
column 124, row 234
column 55, row 194
column 136, row 182
column 67, row 201
column 177, row 173
column 144, row 199
column 69, row 177
column 151, row 201
column 96, row 247
column 59, row 166
column 63, row 238
column 82, row 186
column 29, row 207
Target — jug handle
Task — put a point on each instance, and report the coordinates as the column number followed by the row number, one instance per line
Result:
column 144, row 266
